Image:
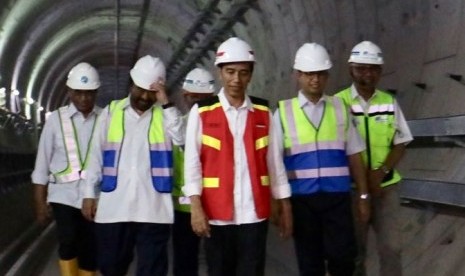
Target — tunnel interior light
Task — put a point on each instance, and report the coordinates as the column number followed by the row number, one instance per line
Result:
column 29, row 101
column 2, row 97
column 15, row 102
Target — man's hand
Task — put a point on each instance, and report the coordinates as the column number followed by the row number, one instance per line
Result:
column 363, row 210
column 285, row 218
column 159, row 87
column 42, row 209
column 199, row 220
column 89, row 207
column 43, row 212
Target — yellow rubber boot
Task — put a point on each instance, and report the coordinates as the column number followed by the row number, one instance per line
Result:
column 83, row 272
column 68, row 267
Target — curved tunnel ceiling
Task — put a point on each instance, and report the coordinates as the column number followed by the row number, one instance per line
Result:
column 42, row 39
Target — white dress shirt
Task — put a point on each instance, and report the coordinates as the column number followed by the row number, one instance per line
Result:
column 134, row 199
column 244, row 208
column 314, row 112
column 52, row 156
column 403, row 134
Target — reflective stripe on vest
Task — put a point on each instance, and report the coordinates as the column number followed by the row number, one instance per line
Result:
column 180, row 202
column 75, row 168
column 377, row 128
column 217, row 156
column 315, row 157
column 161, row 159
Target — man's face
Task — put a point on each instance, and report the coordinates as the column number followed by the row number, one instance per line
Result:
column 84, row 100
column 235, row 78
column 192, row 98
column 142, row 99
column 365, row 75
column 313, row 83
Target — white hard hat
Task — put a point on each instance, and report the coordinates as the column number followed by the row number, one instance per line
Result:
column 234, row 50
column 312, row 57
column 147, row 70
column 83, row 77
column 199, row 80
column 366, row 52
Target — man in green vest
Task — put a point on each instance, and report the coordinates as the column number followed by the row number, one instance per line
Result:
column 130, row 173
column 58, row 174
column 198, row 84
column 322, row 153
column 381, row 123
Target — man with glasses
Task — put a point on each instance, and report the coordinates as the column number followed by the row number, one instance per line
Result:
column 381, row 123
column 322, row 153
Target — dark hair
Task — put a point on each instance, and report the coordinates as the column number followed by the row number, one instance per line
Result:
column 252, row 64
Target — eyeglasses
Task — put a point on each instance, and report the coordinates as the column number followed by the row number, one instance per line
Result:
column 366, row 68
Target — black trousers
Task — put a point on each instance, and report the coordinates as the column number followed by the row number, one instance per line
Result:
column 324, row 234
column 116, row 243
column 185, row 246
column 237, row 249
column 76, row 236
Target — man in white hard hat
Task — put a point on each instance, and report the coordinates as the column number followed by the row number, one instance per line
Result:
column 322, row 152
column 233, row 167
column 381, row 123
column 199, row 84
column 130, row 166
column 62, row 157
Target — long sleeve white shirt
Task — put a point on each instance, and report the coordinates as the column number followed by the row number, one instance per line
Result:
column 52, row 156
column 134, row 199
column 244, row 208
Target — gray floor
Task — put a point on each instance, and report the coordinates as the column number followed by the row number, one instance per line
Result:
column 280, row 259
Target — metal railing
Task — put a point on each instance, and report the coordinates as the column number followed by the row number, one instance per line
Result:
column 433, row 133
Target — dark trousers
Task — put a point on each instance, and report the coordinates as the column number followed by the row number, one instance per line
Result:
column 76, row 236
column 237, row 249
column 324, row 234
column 185, row 246
column 116, row 243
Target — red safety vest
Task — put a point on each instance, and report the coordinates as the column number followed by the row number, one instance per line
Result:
column 217, row 155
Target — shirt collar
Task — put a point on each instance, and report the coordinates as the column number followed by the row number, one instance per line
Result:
column 304, row 101
column 247, row 104
column 354, row 93
column 72, row 110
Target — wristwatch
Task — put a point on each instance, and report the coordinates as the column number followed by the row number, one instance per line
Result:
column 364, row 196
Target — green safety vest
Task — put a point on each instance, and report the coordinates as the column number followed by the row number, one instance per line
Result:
column 315, row 156
column 161, row 161
column 377, row 128
column 178, row 180
column 76, row 164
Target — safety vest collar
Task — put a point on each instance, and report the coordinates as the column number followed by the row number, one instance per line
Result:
column 304, row 101
column 226, row 105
